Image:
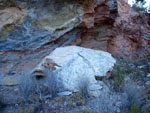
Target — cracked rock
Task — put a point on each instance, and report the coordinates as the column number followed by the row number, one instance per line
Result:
column 73, row 65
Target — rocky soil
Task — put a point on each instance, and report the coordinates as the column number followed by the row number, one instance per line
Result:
column 128, row 85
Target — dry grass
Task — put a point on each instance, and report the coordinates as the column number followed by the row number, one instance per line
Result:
column 27, row 85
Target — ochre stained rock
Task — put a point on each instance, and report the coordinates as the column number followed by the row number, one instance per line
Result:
column 132, row 33
column 99, row 12
column 98, row 19
column 10, row 16
column 115, row 27
column 110, row 25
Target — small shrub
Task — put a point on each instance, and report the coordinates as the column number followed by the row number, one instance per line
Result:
column 118, row 74
column 134, row 109
column 29, row 109
column 77, row 96
column 86, row 110
column 26, row 85
column 80, row 102
column 70, row 104
column 83, row 87
column 60, row 99
column 103, row 104
column 133, row 94
column 148, row 109
column 78, row 99
column 136, row 74
column 47, row 85
column 51, row 84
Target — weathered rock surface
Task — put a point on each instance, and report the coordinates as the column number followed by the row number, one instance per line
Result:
column 9, row 80
column 10, row 16
column 44, row 22
column 44, row 25
column 126, row 35
column 108, row 25
column 132, row 32
column 74, row 64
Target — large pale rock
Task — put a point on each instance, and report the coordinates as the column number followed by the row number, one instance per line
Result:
column 75, row 64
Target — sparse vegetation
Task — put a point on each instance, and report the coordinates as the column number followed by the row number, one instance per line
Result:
column 102, row 105
column 140, row 5
column 118, row 74
column 35, row 90
column 134, row 109
column 136, row 68
column 76, row 96
column 27, row 85
column 134, row 97
column 78, row 99
column 86, row 110
column 148, row 109
column 80, row 102
column 83, row 87
column 29, row 109
column 51, row 85
column 70, row 104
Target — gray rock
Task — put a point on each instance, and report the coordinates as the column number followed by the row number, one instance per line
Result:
column 147, row 83
column 95, row 87
column 148, row 75
column 9, row 81
column 65, row 93
column 127, row 78
column 143, row 66
column 98, row 89
column 48, row 96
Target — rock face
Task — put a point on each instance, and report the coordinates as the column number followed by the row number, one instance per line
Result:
column 126, row 35
column 44, row 22
column 132, row 32
column 10, row 16
column 100, row 15
column 74, row 64
column 109, row 25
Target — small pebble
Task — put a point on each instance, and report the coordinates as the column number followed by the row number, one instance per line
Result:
column 147, row 83
column 148, row 75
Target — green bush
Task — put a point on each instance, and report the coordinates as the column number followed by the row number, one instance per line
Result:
column 29, row 109
column 118, row 75
column 79, row 99
column 134, row 109
column 148, row 109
